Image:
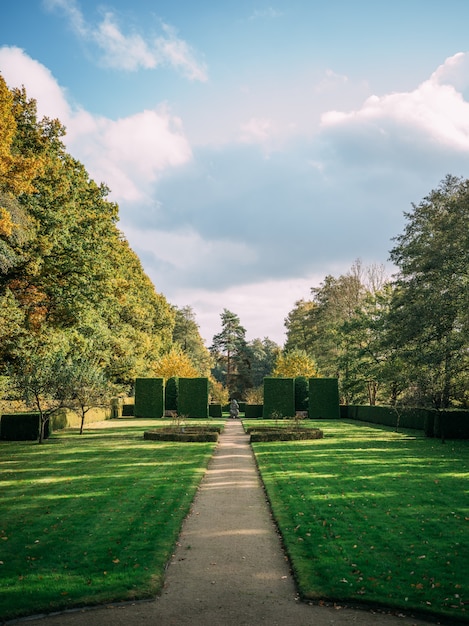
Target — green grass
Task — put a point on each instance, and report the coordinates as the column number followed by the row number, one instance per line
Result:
column 372, row 516
column 92, row 518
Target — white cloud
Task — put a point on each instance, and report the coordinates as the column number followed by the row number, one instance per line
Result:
column 262, row 307
column 435, row 109
column 128, row 154
column 269, row 13
column 131, row 51
column 256, row 130
column 18, row 69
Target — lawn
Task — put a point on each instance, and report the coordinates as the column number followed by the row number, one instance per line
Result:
column 91, row 518
column 370, row 516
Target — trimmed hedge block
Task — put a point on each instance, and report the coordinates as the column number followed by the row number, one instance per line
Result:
column 22, row 427
column 324, row 398
column 279, row 397
column 253, row 410
column 149, row 397
column 215, row 410
column 171, row 394
column 419, row 419
column 128, row 410
column 193, row 397
column 301, row 393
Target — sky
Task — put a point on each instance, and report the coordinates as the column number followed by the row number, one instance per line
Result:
column 254, row 147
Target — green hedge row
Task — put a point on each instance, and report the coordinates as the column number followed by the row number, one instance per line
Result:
column 301, row 393
column 215, row 410
column 324, row 398
column 171, row 393
column 253, row 410
column 22, row 427
column 149, row 397
column 279, row 397
column 193, row 397
column 448, row 423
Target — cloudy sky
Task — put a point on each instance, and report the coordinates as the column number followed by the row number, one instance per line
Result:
column 253, row 146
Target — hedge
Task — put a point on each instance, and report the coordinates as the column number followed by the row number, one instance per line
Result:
column 171, row 393
column 324, row 398
column 193, row 397
column 22, row 427
column 149, row 397
column 215, row 410
column 279, row 397
column 447, row 423
column 253, row 410
column 128, row 410
column 301, row 393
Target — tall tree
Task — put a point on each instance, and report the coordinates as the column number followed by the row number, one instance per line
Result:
column 229, row 349
column 186, row 334
column 263, row 355
column 431, row 298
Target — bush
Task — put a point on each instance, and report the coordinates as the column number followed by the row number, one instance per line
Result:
column 451, row 424
column 279, row 397
column 324, row 398
column 22, row 427
column 171, row 394
column 149, row 397
column 301, row 393
column 215, row 410
column 253, row 410
column 193, row 397
column 128, row 410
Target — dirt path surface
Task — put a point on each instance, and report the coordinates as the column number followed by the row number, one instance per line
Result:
column 228, row 568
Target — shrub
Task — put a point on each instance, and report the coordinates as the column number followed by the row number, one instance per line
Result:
column 253, row 410
column 171, row 394
column 149, row 397
column 279, row 397
column 193, row 397
column 324, row 398
column 21, row 427
column 301, row 393
column 215, row 410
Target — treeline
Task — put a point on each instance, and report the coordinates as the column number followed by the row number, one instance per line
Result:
column 69, row 281
column 401, row 339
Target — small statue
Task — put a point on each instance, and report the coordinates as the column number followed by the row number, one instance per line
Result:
column 234, row 409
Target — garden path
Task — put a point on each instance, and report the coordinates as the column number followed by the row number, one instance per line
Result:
column 228, row 568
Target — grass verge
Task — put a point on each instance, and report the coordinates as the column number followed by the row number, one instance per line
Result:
column 370, row 516
column 92, row 518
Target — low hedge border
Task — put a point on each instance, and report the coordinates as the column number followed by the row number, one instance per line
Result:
column 192, row 437
column 281, row 434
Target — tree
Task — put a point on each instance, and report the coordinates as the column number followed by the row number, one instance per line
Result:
column 263, row 354
column 64, row 264
column 86, row 386
column 38, row 378
column 295, row 363
column 175, row 363
column 186, row 334
column 301, row 326
column 430, row 308
column 229, row 349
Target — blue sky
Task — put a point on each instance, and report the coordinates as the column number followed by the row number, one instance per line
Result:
column 253, row 147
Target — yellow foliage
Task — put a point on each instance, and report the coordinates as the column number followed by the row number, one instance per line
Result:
column 295, row 363
column 174, row 363
column 6, row 223
column 218, row 393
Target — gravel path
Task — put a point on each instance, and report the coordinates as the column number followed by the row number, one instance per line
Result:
column 228, row 567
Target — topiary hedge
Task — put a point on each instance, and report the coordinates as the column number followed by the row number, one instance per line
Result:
column 301, row 393
column 193, row 397
column 253, row 410
column 171, row 394
column 324, row 398
column 22, row 427
column 149, row 397
column 279, row 397
column 215, row 410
